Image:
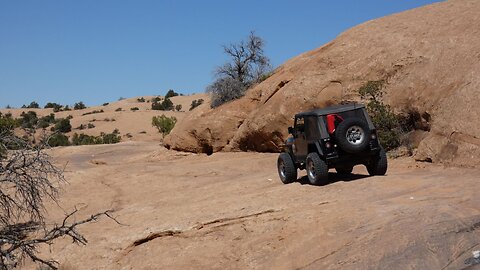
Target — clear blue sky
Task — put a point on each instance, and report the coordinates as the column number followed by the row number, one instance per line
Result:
column 96, row 51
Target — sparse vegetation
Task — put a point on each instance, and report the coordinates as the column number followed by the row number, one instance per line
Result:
column 90, row 125
column 79, row 106
column 63, row 125
column 118, row 109
column 165, row 105
column 58, row 139
column 390, row 126
column 164, row 124
column 141, row 99
column 134, row 109
column 32, row 105
column 171, row 93
column 28, row 119
column 196, row 103
column 104, row 138
column 55, row 106
column 45, row 121
column 93, row 112
column 178, row 107
column 105, row 104
column 248, row 65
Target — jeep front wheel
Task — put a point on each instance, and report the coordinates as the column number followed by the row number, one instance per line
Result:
column 317, row 169
column 286, row 168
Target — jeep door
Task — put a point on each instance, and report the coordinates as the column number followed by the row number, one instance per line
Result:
column 300, row 144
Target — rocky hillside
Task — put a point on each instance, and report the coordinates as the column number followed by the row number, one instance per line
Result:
column 429, row 58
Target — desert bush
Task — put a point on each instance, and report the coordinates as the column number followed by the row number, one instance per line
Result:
column 7, row 123
column 165, row 105
column 387, row 123
column 156, row 99
column 164, row 124
column 93, row 112
column 196, row 103
column 45, row 121
column 63, row 125
column 248, row 65
column 58, row 139
column 55, row 106
column 178, row 107
column 118, row 109
column 104, row 138
column 141, row 99
column 90, row 125
column 28, row 119
column 171, row 93
column 134, row 109
column 105, row 104
column 67, row 108
column 32, row 105
column 79, row 106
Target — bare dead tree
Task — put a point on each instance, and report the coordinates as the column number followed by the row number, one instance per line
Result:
column 248, row 65
column 28, row 179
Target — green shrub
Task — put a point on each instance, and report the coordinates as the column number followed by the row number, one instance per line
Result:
column 55, row 106
column 171, row 93
column 28, row 119
column 164, row 124
column 104, row 138
column 178, row 107
column 67, row 108
column 90, row 125
column 141, row 99
column 7, row 123
column 45, row 121
column 63, row 125
column 58, row 139
column 93, row 112
column 79, row 106
column 157, row 99
column 196, row 103
column 32, row 105
column 165, row 105
column 387, row 123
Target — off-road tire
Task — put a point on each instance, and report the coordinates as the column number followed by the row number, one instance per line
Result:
column 286, row 168
column 317, row 169
column 379, row 164
column 352, row 135
column 344, row 170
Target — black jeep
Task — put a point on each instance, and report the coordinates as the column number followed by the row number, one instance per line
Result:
column 337, row 137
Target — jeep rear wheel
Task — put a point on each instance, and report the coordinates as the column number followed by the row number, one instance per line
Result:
column 317, row 169
column 378, row 165
column 352, row 135
column 286, row 168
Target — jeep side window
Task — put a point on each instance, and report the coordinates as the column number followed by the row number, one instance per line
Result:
column 300, row 124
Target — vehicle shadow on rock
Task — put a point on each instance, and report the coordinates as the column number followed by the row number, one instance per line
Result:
column 335, row 177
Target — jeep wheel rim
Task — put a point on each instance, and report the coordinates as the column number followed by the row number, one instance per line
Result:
column 311, row 169
column 281, row 168
column 355, row 135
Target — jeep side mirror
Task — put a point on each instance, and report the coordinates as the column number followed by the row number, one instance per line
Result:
column 290, row 130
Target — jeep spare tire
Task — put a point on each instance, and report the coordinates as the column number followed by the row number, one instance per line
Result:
column 352, row 135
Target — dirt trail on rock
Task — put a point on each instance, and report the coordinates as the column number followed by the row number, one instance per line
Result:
column 230, row 211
